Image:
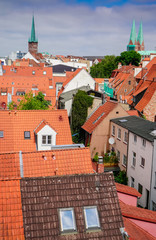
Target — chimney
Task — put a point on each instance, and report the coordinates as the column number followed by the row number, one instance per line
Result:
column 96, row 86
column 119, row 65
column 100, row 168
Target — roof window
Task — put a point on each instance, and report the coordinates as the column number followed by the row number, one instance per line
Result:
column 67, row 220
column 33, row 72
column 1, row 134
column 44, row 72
column 98, row 118
column 91, row 217
column 123, row 120
column 26, row 134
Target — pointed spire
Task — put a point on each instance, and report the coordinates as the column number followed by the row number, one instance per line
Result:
column 140, row 38
column 133, row 33
column 33, row 37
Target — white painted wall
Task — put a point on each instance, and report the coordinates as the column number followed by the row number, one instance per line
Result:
column 83, row 78
column 153, row 181
column 46, row 130
column 68, row 106
column 141, row 175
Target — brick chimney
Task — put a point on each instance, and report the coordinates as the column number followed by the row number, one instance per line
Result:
column 100, row 167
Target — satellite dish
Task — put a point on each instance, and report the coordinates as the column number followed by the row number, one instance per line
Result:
column 111, row 140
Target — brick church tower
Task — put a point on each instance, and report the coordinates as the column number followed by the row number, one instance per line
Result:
column 136, row 43
column 33, row 41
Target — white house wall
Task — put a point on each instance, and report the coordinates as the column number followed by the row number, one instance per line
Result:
column 81, row 79
column 153, row 182
column 46, row 130
column 68, row 106
column 140, row 174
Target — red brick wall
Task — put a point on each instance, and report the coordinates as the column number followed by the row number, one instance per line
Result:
column 33, row 47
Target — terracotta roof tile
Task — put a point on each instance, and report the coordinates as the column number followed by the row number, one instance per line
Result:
column 146, row 97
column 46, row 163
column 14, row 123
column 133, row 113
column 96, row 118
column 143, row 87
column 126, row 189
column 99, row 80
column 11, row 218
column 138, row 213
column 135, row 232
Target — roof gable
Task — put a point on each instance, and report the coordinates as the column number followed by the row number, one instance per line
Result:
column 41, row 125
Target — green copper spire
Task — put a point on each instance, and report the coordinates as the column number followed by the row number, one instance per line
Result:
column 140, row 34
column 33, row 37
column 133, row 33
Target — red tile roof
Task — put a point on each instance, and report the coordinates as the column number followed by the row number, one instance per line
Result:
column 11, row 218
column 127, row 190
column 97, row 117
column 14, row 123
column 46, row 163
column 133, row 113
column 138, row 213
column 135, row 232
column 99, row 80
column 147, row 97
column 143, row 87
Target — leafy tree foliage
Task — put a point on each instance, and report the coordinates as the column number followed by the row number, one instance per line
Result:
column 121, row 178
column 129, row 57
column 80, row 106
column 30, row 102
column 104, row 68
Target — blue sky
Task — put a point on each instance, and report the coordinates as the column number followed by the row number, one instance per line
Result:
column 78, row 27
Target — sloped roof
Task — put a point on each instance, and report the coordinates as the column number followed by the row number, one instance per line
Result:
column 127, row 190
column 146, row 97
column 45, row 163
column 143, row 87
column 74, row 191
column 42, row 124
column 14, row 123
column 99, row 80
column 11, row 218
column 136, row 232
column 133, row 113
column 97, row 117
column 138, row 213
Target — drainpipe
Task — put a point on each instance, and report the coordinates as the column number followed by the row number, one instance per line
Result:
column 21, row 164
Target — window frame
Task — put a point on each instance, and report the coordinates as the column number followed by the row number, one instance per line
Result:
column 125, row 137
column 125, row 165
column 113, row 130
column 85, row 218
column 135, row 138
column 47, row 139
column 133, row 160
column 25, row 132
column 142, row 165
column 119, row 137
column 62, row 229
column 118, row 155
column 144, row 142
column 1, row 134
column 132, row 182
column 140, row 188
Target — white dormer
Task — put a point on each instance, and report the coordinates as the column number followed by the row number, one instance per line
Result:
column 45, row 136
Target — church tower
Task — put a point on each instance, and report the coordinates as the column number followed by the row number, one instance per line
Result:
column 33, row 41
column 140, row 40
column 132, row 41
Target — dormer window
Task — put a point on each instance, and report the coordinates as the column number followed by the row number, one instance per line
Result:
column 1, row 134
column 26, row 134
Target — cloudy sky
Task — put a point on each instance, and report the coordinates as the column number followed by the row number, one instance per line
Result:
column 77, row 27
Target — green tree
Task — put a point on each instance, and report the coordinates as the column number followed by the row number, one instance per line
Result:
column 80, row 106
column 129, row 57
column 30, row 102
column 121, row 178
column 104, row 68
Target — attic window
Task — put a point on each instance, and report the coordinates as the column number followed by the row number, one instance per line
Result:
column 67, row 220
column 123, row 120
column 33, row 72
column 44, row 72
column 98, row 118
column 91, row 217
column 26, row 134
column 46, row 139
column 1, row 134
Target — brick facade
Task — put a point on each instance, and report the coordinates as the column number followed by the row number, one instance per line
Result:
column 150, row 109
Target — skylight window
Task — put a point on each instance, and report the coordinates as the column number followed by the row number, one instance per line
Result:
column 1, row 134
column 67, row 220
column 91, row 217
column 123, row 120
column 98, row 118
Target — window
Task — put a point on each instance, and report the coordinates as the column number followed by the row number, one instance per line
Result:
column 129, row 82
column 125, row 137
column 155, row 180
column 153, row 206
column 135, row 138
column 119, row 133
column 113, row 130
column 132, row 182
column 134, row 159
column 140, row 188
column 143, row 142
column 44, row 72
column 118, row 155
column 27, row 135
column 67, row 220
column 91, row 217
column 124, row 160
column 1, row 134
column 46, row 139
column 33, row 72
column 142, row 162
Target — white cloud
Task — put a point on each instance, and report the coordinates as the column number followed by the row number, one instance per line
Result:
column 74, row 29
